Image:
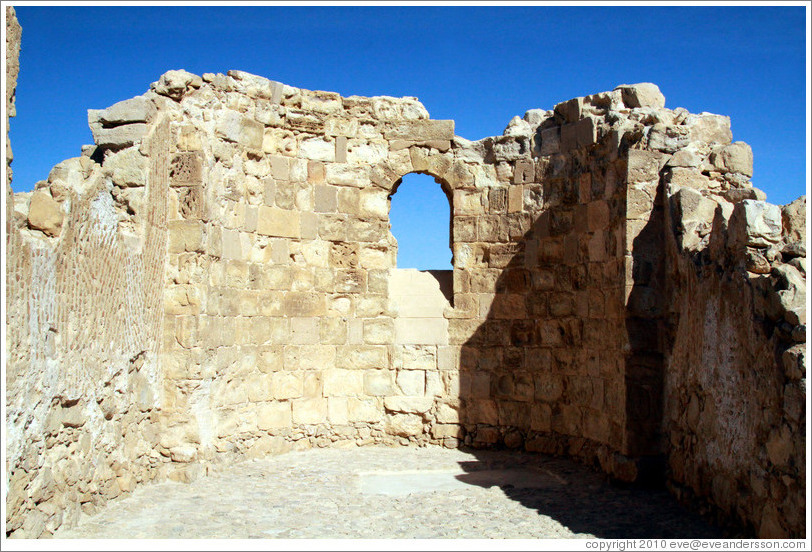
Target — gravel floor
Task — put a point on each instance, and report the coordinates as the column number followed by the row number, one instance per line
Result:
column 395, row 493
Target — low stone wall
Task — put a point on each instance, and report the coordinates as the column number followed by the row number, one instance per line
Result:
column 214, row 279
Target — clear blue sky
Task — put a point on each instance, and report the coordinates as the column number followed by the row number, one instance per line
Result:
column 477, row 65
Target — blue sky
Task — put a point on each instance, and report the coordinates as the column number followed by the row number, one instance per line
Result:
column 477, row 65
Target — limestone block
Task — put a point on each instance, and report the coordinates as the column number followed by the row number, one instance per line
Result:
column 668, row 138
column 446, row 358
column 644, row 94
column 735, row 158
column 690, row 157
column 570, row 110
column 272, row 221
column 343, row 383
column 412, row 382
column 373, row 203
column 404, row 425
column 378, row 331
column 287, row 385
column 413, row 405
column 569, row 137
column 317, row 149
column 341, row 127
column 598, row 215
column 128, row 168
column 234, row 127
column 420, row 130
column 182, row 300
column 174, row 84
column 309, row 357
column 688, row 177
column 135, row 110
column 639, row 202
column 440, row 431
column 338, row 411
column 185, row 235
column 342, row 174
column 362, row 357
column 364, row 410
column 278, row 141
column 309, row 411
column 421, row 331
column 378, row 382
column 709, row 128
column 447, row 413
column 586, row 132
column 550, row 140
column 45, row 214
column 304, row 330
column 119, row 137
column 793, row 216
column 644, row 166
column 754, row 224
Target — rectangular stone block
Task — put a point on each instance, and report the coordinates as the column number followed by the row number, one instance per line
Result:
column 185, row 235
column 341, row 149
column 287, row 385
column 274, row 415
column 421, row 331
column 550, row 141
column 304, row 330
column 305, row 304
column 378, row 331
column 420, row 130
column 309, row 357
column 644, row 166
column 585, row 132
column 569, row 140
column 515, row 199
column 337, row 411
column 378, row 382
column 362, row 357
column 309, row 411
column 524, row 171
column 343, row 383
column 364, row 410
column 277, row 222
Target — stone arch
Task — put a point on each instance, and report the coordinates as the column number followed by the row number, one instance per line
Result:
column 443, row 276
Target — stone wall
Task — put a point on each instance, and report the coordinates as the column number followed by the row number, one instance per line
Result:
column 735, row 395
column 215, row 279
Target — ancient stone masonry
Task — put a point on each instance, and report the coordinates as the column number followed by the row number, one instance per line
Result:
column 215, row 279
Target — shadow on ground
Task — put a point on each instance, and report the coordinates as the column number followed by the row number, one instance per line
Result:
column 583, row 500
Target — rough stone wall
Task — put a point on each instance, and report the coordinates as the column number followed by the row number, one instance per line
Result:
column 82, row 379
column 215, row 279
column 735, row 394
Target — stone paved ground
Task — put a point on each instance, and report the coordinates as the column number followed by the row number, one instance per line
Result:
column 405, row 493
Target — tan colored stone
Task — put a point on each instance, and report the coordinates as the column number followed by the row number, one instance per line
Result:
column 45, row 214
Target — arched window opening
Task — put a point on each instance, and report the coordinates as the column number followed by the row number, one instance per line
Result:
column 420, row 222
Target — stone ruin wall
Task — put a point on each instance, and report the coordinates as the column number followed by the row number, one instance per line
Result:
column 215, row 279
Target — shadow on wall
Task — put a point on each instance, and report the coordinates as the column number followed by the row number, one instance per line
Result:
column 563, row 363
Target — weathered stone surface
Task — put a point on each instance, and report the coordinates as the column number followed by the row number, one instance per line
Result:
column 644, row 94
column 45, row 214
column 755, row 224
column 736, row 157
column 793, row 217
column 135, row 110
column 240, row 129
column 228, row 289
column 119, row 137
column 174, row 84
